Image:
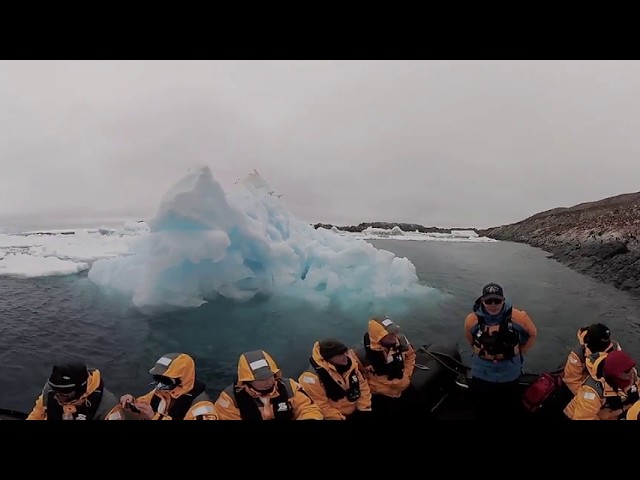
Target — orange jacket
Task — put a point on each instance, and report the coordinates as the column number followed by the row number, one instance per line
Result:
column 590, row 401
column 341, row 408
column 575, row 371
column 380, row 384
column 634, row 412
column 108, row 402
column 300, row 404
column 182, row 366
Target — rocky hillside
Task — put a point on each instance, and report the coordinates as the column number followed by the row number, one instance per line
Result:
column 600, row 239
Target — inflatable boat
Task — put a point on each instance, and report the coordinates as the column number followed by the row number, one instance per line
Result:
column 441, row 384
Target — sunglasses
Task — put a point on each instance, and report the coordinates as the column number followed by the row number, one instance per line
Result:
column 493, row 301
column 165, row 383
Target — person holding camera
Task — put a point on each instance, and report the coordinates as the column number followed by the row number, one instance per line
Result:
column 177, row 394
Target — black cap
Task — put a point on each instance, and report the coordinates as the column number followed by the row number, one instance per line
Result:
column 492, row 290
column 69, row 375
column 330, row 348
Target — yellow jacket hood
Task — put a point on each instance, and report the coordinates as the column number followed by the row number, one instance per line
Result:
column 93, row 383
column 315, row 354
column 378, row 329
column 177, row 365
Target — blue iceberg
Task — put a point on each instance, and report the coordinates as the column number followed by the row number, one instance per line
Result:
column 205, row 244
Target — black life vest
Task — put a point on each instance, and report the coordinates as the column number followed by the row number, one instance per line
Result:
column 332, row 388
column 250, row 406
column 496, row 342
column 378, row 359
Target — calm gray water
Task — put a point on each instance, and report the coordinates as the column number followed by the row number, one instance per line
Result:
column 47, row 319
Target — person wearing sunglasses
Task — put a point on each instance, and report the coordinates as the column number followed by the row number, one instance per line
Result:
column 499, row 335
column 388, row 362
column 74, row 392
column 610, row 391
column 177, row 393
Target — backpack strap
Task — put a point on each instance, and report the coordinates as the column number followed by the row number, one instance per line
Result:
column 596, row 385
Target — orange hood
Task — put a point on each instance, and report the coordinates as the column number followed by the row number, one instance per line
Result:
column 176, row 365
column 378, row 329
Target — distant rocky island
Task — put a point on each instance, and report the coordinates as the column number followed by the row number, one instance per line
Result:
column 600, row 239
column 405, row 227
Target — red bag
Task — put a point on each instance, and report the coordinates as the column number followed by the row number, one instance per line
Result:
column 540, row 391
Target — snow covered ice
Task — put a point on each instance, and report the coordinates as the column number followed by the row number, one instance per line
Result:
column 63, row 252
column 396, row 233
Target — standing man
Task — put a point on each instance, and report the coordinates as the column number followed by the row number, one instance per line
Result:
column 499, row 335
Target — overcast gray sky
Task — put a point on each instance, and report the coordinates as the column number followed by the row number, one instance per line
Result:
column 444, row 143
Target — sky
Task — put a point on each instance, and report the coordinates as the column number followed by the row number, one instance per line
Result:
column 439, row 143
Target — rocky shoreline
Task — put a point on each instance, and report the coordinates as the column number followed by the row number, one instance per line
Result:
column 599, row 239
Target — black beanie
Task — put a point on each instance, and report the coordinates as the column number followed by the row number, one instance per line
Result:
column 69, row 375
column 598, row 337
column 330, row 348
